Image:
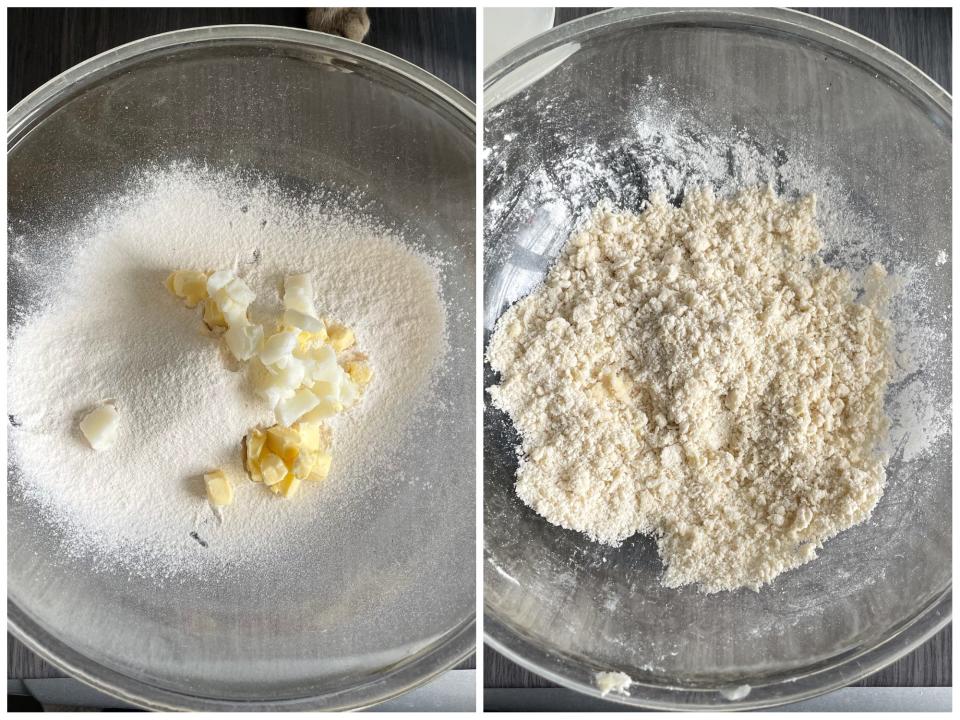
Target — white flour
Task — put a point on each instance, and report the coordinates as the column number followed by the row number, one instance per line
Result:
column 106, row 328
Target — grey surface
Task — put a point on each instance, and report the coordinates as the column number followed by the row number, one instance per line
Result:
column 923, row 36
column 44, row 42
column 852, row 699
column 454, row 691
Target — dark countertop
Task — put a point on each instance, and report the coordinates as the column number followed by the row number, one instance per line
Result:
column 923, row 36
column 43, row 42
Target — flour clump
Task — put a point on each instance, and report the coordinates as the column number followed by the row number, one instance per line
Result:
column 699, row 374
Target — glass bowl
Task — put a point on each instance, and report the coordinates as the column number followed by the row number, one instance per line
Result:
column 305, row 109
column 610, row 107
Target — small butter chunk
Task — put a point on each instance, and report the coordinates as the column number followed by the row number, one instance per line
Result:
column 288, row 487
column 240, row 292
column 292, row 409
column 283, row 442
column 278, row 346
column 219, row 488
column 218, row 280
column 359, row 371
column 326, row 408
column 298, row 294
column 100, row 425
column 212, row 315
column 272, row 469
column 190, row 285
column 341, row 337
column 321, row 466
column 297, row 319
column 243, row 341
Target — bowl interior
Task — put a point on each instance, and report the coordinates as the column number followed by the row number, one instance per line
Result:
column 393, row 601
column 612, row 111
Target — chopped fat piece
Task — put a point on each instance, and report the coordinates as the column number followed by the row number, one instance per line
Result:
column 100, row 425
column 244, row 340
column 289, row 486
column 219, row 488
column 191, row 285
column 304, row 464
column 219, row 279
column 278, row 346
column 298, row 294
column 283, row 442
column 321, row 466
column 292, row 409
column 233, row 312
column 272, row 468
column 359, row 371
column 309, row 435
column 240, row 292
column 341, row 337
column 326, row 408
column 297, row 319
column 212, row 315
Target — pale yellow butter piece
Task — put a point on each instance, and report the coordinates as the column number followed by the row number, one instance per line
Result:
column 272, row 469
column 190, row 285
column 359, row 371
column 340, row 337
column 283, row 442
column 99, row 426
column 212, row 316
column 321, row 467
column 219, row 488
column 309, row 436
column 304, row 463
column 289, row 486
column 327, row 408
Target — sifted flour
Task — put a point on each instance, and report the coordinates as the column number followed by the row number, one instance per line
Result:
column 700, row 374
column 106, row 328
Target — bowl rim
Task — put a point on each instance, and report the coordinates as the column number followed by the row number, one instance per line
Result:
column 454, row 646
column 841, row 38
column 21, row 113
column 900, row 639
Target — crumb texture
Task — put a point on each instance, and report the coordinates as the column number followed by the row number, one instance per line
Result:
column 699, row 374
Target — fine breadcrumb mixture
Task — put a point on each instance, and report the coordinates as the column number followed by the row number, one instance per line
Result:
column 699, row 374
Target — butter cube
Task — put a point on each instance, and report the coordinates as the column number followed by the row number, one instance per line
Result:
column 219, row 488
column 272, row 469
column 321, row 466
column 326, row 408
column 304, row 464
column 309, row 436
column 289, row 486
column 291, row 409
column 212, row 316
column 191, row 285
column 100, row 425
column 283, row 442
column 341, row 337
column 359, row 371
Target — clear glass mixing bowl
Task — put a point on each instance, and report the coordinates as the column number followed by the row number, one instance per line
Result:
column 563, row 114
column 305, row 109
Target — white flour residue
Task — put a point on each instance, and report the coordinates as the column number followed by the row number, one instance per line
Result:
column 106, row 328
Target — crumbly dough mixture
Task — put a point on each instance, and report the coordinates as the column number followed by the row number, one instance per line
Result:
column 698, row 373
